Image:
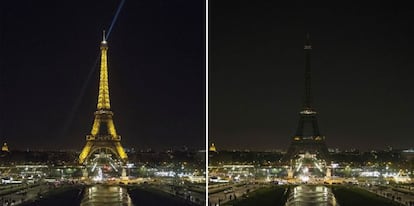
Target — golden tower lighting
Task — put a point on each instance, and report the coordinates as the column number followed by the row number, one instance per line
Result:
column 103, row 135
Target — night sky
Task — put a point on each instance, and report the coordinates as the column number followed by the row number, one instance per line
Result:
column 156, row 72
column 362, row 70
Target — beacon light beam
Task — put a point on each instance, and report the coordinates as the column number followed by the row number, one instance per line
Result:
column 79, row 99
column 114, row 19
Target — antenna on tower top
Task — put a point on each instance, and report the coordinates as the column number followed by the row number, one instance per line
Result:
column 308, row 96
column 103, row 37
column 307, row 41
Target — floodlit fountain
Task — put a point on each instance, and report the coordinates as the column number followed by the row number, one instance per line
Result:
column 311, row 195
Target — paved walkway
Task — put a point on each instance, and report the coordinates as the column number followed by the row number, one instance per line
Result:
column 389, row 192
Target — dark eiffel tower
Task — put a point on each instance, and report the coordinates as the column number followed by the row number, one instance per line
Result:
column 307, row 139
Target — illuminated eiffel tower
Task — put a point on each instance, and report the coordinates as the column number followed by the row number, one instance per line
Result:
column 307, row 139
column 103, row 137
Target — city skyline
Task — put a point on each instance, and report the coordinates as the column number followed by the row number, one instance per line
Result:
column 49, row 85
column 361, row 66
column 205, row 103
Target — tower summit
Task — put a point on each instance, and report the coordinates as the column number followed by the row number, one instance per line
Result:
column 307, row 138
column 103, row 96
column 103, row 138
column 307, row 97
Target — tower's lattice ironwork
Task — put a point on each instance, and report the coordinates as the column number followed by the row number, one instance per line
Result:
column 103, row 136
column 307, row 139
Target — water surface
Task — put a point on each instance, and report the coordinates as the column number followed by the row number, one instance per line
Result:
column 311, row 195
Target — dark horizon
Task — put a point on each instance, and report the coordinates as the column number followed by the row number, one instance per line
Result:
column 361, row 68
column 156, row 63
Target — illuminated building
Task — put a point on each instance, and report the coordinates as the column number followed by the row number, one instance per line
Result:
column 5, row 148
column 212, row 148
column 103, row 137
column 408, row 154
column 307, row 139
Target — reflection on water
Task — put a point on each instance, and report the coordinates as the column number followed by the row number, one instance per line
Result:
column 106, row 195
column 310, row 195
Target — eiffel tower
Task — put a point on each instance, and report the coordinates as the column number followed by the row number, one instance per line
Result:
column 307, row 139
column 103, row 137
